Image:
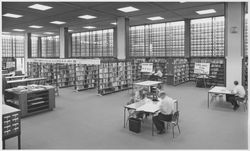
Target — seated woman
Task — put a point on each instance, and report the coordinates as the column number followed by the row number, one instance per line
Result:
column 138, row 96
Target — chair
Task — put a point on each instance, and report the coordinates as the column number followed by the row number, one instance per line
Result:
column 244, row 102
column 174, row 122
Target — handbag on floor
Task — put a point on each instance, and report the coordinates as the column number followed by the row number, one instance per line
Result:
column 135, row 125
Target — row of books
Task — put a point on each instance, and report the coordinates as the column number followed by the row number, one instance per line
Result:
column 114, row 75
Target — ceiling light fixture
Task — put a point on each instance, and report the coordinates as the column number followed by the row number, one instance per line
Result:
column 128, row 9
column 12, row 15
column 207, row 11
column 89, row 27
column 114, row 23
column 87, row 17
column 58, row 22
column 155, row 18
column 35, row 26
column 40, row 7
column 18, row 30
column 48, row 33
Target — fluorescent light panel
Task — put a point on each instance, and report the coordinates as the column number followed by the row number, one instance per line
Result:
column 114, row 23
column 57, row 22
column 40, row 7
column 207, row 11
column 48, row 33
column 128, row 9
column 89, row 27
column 18, row 30
column 87, row 17
column 35, row 26
column 155, row 18
column 12, row 15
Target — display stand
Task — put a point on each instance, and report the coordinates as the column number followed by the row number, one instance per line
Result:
column 31, row 102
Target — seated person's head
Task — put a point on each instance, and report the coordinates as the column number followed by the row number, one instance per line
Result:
column 236, row 82
column 162, row 95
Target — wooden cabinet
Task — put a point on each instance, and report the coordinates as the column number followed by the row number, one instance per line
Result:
column 31, row 102
column 11, row 125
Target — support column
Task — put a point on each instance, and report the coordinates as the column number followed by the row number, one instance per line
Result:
column 122, row 37
column 234, row 13
column 187, row 36
column 39, row 47
column 64, row 36
column 27, row 49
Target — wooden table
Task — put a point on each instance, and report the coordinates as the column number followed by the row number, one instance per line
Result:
column 146, row 84
column 217, row 90
column 149, row 107
column 13, row 83
column 16, row 77
column 8, row 74
column 11, row 125
column 31, row 101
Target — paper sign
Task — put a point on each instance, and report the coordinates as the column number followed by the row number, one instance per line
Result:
column 146, row 67
column 202, row 68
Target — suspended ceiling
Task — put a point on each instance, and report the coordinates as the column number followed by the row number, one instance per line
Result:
column 106, row 13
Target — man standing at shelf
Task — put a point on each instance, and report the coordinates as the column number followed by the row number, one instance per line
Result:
column 238, row 94
column 165, row 113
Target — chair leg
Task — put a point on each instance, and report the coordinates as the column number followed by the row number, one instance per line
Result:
column 178, row 128
column 173, row 130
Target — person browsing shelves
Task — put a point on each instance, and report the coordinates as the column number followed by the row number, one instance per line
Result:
column 165, row 112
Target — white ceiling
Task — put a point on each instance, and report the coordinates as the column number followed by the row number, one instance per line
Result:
column 106, row 13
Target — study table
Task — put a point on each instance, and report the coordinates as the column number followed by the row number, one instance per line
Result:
column 217, row 90
column 8, row 74
column 147, row 106
column 11, row 125
column 13, row 83
column 16, row 77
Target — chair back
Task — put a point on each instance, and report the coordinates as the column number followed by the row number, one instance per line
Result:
column 175, row 117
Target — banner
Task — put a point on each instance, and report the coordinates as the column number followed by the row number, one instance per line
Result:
column 67, row 61
column 202, row 68
column 146, row 67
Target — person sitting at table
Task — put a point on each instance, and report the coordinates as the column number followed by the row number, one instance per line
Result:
column 138, row 96
column 238, row 94
column 165, row 112
column 157, row 74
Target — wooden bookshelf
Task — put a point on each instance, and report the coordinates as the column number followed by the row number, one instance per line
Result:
column 114, row 76
column 217, row 70
column 177, row 71
column 245, row 72
column 86, row 77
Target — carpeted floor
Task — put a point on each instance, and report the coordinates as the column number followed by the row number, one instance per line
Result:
column 85, row 120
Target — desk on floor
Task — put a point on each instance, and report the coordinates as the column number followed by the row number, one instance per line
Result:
column 11, row 125
column 217, row 90
column 8, row 74
column 16, row 77
column 14, row 83
column 147, row 84
column 149, row 107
